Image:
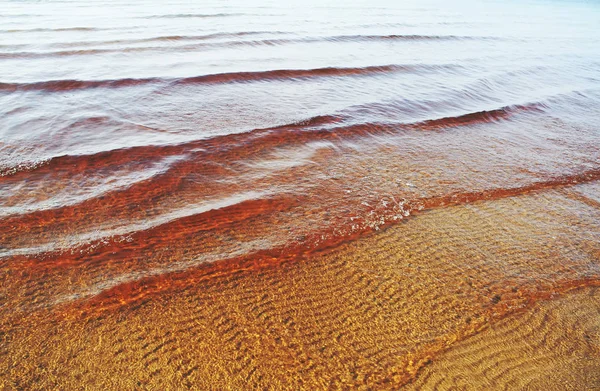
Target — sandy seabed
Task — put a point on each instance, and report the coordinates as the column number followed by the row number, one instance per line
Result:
column 450, row 297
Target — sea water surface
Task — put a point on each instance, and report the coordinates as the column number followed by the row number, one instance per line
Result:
column 146, row 147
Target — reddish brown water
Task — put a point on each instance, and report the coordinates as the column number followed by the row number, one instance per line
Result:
column 153, row 157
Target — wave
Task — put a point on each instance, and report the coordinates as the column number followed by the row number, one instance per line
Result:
column 43, row 30
column 323, row 127
column 492, row 194
column 99, row 235
column 167, row 38
column 263, row 42
column 484, row 116
column 408, row 37
column 337, row 38
column 108, row 179
column 8, row 16
column 186, row 16
column 236, row 208
column 217, row 78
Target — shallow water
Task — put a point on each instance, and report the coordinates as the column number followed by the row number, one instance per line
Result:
column 148, row 150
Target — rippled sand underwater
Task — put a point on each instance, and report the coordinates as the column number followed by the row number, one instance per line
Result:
column 252, row 195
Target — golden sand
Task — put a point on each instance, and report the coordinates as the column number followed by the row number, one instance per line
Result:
column 554, row 346
column 368, row 314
